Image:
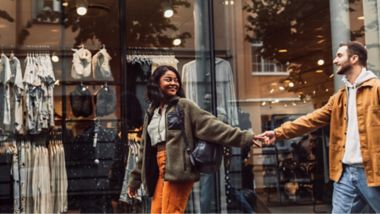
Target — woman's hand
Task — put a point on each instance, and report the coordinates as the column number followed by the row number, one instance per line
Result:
column 257, row 141
column 132, row 192
column 268, row 137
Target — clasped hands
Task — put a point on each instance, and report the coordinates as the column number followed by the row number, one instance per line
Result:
column 265, row 138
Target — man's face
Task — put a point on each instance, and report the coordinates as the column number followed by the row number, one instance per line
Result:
column 342, row 61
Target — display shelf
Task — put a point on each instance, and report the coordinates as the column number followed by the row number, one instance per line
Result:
column 88, row 82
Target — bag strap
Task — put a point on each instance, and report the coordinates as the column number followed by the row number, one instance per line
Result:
column 182, row 119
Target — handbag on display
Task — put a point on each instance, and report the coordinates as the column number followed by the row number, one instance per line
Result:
column 81, row 101
column 105, row 100
column 205, row 157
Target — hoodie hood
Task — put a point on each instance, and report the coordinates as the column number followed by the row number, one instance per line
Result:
column 363, row 76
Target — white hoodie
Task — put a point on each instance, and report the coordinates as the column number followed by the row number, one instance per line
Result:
column 352, row 154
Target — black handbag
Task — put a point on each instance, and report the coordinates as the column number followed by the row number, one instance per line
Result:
column 205, row 157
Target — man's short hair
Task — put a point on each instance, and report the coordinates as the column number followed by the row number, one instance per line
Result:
column 356, row 48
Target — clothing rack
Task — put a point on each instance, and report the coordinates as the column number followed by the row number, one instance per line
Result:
column 38, row 49
column 61, row 51
column 180, row 53
column 88, row 82
column 48, row 47
column 26, row 51
column 149, row 51
column 56, row 133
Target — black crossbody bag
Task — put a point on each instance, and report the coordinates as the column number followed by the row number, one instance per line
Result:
column 205, row 157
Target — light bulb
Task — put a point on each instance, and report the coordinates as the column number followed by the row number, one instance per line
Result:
column 55, row 58
column 81, row 10
column 177, row 42
column 168, row 13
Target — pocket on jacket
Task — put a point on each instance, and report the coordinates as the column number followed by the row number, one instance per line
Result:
column 374, row 115
column 174, row 121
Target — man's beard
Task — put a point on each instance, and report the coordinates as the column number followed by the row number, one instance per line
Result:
column 344, row 69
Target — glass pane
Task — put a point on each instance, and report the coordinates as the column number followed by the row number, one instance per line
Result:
column 280, row 56
column 69, row 103
column 182, row 41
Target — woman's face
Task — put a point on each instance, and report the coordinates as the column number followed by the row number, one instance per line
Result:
column 169, row 84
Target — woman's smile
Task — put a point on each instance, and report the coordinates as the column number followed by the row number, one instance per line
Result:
column 169, row 84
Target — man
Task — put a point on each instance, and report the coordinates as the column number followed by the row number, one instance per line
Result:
column 354, row 117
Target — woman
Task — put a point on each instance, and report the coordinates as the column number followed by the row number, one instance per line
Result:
column 163, row 164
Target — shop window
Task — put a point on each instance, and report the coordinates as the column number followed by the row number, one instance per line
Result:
column 46, row 11
column 262, row 65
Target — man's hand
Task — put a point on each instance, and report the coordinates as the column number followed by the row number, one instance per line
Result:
column 268, row 137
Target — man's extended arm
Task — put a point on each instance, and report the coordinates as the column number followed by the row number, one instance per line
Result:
column 300, row 126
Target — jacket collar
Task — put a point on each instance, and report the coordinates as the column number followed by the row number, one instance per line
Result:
column 368, row 83
column 174, row 100
column 363, row 77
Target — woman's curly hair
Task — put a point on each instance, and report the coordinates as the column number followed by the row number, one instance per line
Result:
column 153, row 93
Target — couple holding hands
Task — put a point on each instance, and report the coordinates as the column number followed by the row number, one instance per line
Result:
column 353, row 114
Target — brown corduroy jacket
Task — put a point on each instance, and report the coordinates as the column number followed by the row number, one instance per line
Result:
column 335, row 114
column 197, row 123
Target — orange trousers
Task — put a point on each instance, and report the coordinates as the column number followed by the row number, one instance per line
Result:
column 169, row 196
